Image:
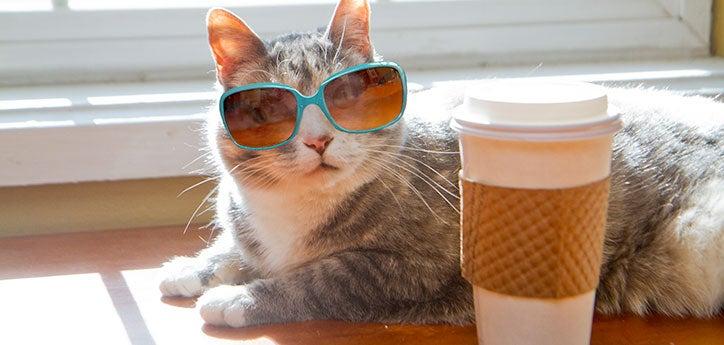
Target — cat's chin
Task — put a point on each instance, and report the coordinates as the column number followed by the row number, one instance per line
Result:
column 326, row 176
column 323, row 174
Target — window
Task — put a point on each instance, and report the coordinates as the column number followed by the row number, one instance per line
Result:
column 96, row 40
column 117, row 87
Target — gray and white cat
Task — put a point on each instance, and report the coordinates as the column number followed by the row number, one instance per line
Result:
column 372, row 234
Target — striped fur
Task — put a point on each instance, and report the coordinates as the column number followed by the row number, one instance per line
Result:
column 378, row 240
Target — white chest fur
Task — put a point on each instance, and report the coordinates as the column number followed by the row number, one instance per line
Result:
column 282, row 221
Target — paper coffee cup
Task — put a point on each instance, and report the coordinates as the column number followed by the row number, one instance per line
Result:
column 535, row 164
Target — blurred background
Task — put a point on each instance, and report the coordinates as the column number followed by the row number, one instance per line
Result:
column 101, row 100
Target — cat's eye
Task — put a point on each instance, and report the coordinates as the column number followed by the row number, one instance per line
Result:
column 360, row 99
column 375, row 100
column 262, row 117
column 342, row 92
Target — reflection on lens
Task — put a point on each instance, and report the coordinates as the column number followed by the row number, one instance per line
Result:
column 260, row 117
column 365, row 99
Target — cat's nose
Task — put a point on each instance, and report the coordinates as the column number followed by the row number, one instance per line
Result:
column 318, row 143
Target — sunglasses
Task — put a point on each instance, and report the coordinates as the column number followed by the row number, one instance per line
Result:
column 360, row 99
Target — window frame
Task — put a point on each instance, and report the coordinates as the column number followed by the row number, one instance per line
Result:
column 133, row 45
column 97, row 133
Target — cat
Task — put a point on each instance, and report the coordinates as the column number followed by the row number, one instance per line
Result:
column 374, row 236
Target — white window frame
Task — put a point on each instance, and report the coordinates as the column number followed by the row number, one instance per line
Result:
column 89, row 131
column 76, row 46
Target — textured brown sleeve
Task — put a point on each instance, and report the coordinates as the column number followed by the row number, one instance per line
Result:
column 533, row 242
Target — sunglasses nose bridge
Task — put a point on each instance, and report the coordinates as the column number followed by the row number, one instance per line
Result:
column 315, row 99
column 305, row 101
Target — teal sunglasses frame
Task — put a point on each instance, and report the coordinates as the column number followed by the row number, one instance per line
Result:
column 316, row 99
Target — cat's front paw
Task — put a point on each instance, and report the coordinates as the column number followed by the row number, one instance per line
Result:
column 226, row 305
column 182, row 276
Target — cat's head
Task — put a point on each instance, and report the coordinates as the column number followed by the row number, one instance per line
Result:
column 319, row 157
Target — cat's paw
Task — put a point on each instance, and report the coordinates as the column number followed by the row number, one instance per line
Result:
column 182, row 276
column 226, row 305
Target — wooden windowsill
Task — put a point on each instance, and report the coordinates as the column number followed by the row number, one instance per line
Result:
column 100, row 288
column 107, row 205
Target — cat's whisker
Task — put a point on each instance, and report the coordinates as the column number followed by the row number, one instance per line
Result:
column 213, row 178
column 258, row 158
column 372, row 172
column 271, row 180
column 211, row 207
column 428, row 183
column 417, row 172
column 253, row 172
column 208, row 225
column 206, row 154
column 213, row 229
column 417, row 193
column 196, row 211
column 250, row 170
column 207, row 170
column 275, row 173
column 418, row 161
column 399, row 205
column 416, row 149
column 233, row 173
column 267, row 179
column 249, row 174
column 411, row 186
column 253, row 163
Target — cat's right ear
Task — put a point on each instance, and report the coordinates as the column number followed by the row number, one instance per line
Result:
column 233, row 44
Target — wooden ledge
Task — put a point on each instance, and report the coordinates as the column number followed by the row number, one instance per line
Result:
column 100, row 288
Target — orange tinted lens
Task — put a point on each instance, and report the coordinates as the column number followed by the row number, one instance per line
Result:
column 260, row 117
column 365, row 99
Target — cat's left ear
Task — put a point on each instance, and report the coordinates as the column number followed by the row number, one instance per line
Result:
column 350, row 26
column 233, row 44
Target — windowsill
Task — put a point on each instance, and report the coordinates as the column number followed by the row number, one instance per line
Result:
column 105, row 290
column 96, row 132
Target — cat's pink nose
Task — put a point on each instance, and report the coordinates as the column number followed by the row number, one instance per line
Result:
column 318, row 144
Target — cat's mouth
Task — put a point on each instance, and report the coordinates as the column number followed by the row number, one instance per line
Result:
column 323, row 167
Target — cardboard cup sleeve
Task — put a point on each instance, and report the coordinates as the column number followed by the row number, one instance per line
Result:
column 539, row 243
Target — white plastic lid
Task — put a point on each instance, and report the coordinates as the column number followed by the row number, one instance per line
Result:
column 536, row 110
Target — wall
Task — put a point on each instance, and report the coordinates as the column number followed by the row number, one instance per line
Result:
column 717, row 39
column 100, row 205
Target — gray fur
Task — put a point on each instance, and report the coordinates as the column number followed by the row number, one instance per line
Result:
column 382, row 254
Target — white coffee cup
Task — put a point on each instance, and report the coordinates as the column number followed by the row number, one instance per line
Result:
column 535, row 135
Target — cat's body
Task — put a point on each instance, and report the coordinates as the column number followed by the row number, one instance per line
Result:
column 377, row 238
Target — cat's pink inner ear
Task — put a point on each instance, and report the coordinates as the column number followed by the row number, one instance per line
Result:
column 233, row 44
column 350, row 26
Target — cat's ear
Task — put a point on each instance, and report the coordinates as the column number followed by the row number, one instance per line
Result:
column 350, row 26
column 233, row 44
